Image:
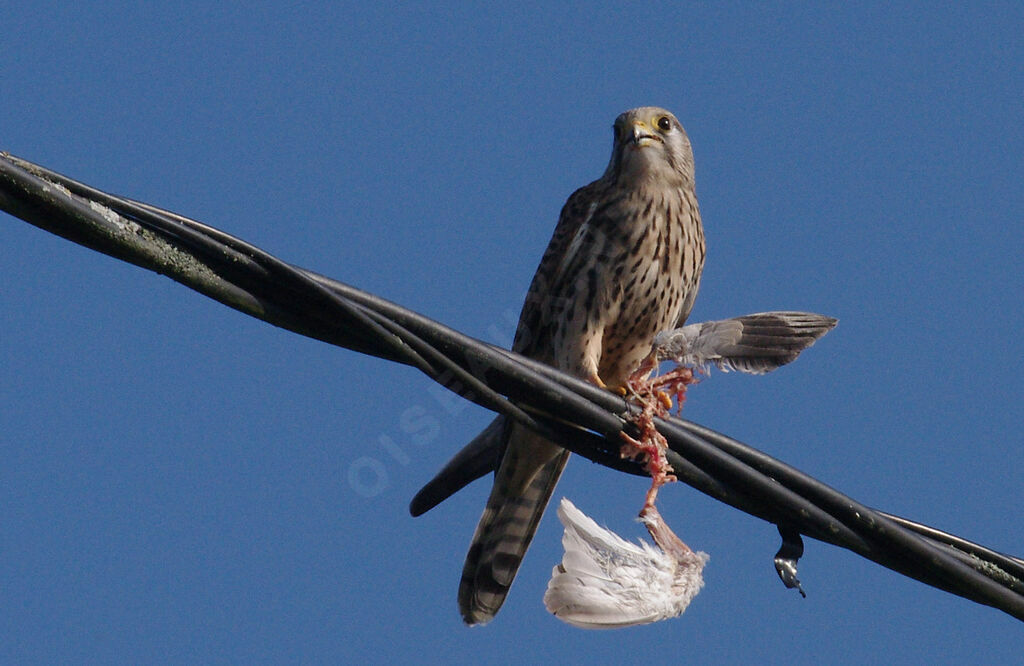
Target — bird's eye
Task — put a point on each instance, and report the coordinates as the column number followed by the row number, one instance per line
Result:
column 665, row 123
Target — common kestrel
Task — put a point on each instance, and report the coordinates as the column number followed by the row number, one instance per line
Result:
column 623, row 264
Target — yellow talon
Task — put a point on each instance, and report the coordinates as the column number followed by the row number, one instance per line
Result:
column 594, row 379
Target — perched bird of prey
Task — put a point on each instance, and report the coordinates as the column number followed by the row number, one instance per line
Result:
column 623, row 264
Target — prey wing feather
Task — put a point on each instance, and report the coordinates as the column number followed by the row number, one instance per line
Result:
column 605, row 582
column 755, row 343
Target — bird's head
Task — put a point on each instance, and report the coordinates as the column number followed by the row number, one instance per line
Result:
column 650, row 144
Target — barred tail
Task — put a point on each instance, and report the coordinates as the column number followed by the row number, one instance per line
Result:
column 526, row 478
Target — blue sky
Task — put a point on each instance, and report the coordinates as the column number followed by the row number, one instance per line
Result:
column 176, row 478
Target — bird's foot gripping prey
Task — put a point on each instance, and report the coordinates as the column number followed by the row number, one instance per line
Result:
column 605, row 582
column 754, row 344
column 654, row 397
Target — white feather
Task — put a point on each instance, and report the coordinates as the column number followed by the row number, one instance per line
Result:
column 604, row 581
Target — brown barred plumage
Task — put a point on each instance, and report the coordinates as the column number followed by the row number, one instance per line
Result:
column 623, row 264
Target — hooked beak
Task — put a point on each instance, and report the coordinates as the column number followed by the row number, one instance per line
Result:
column 641, row 135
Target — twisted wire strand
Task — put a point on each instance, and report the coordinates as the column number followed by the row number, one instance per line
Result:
column 582, row 417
